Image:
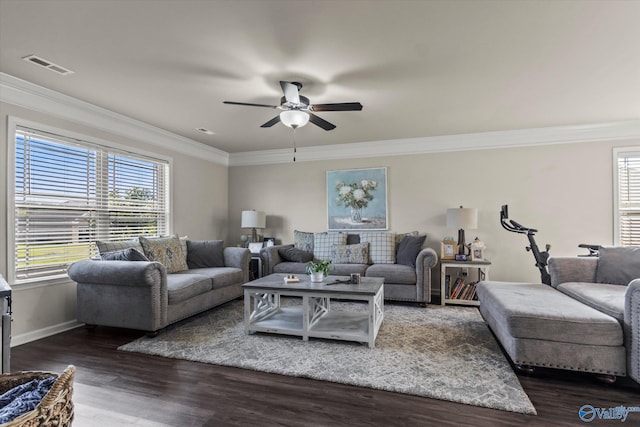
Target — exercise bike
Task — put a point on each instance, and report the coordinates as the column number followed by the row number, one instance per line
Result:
column 540, row 257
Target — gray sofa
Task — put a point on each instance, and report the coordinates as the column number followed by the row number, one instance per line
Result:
column 401, row 282
column 587, row 320
column 142, row 295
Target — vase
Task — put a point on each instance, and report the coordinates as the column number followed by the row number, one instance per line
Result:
column 356, row 215
column 317, row 276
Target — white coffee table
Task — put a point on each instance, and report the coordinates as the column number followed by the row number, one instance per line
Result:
column 313, row 317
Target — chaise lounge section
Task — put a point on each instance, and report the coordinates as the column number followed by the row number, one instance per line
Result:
column 588, row 319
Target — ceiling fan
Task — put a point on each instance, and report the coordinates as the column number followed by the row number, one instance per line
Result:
column 297, row 110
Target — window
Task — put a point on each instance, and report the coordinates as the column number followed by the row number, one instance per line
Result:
column 627, row 196
column 70, row 193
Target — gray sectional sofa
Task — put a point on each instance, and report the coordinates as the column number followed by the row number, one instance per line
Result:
column 587, row 320
column 403, row 263
column 153, row 293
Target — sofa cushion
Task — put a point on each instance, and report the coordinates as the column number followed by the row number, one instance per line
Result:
column 393, row 273
column 293, row 254
column 290, row 267
column 181, row 287
column 205, row 253
column 303, row 240
column 323, row 244
column 167, row 251
column 540, row 312
column 221, row 277
column 608, row 299
column 108, row 246
column 130, row 254
column 408, row 250
column 618, row 265
column 350, row 254
column 347, row 269
column 382, row 247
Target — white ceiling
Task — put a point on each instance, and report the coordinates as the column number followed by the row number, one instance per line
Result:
column 420, row 68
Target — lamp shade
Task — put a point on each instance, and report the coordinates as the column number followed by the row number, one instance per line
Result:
column 294, row 118
column 253, row 219
column 462, row 218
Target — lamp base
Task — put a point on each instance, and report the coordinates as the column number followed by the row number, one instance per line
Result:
column 254, row 235
column 461, row 243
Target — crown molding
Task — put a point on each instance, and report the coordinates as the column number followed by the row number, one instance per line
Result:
column 37, row 98
column 611, row 131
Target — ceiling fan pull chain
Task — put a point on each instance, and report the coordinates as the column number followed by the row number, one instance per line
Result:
column 294, row 145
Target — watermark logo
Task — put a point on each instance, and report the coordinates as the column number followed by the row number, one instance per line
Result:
column 588, row 413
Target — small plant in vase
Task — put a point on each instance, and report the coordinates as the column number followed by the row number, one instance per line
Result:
column 319, row 269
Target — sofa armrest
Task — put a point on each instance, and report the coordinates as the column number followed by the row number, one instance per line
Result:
column 119, row 273
column 572, row 269
column 238, row 258
column 632, row 328
column 270, row 257
column 425, row 261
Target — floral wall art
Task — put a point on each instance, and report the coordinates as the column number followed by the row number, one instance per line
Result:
column 357, row 199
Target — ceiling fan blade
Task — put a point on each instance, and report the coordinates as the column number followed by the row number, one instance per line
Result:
column 321, row 122
column 290, row 92
column 249, row 104
column 271, row 122
column 343, row 106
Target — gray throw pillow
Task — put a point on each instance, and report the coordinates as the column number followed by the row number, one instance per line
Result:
column 408, row 250
column 303, row 240
column 618, row 265
column 205, row 253
column 130, row 254
column 292, row 254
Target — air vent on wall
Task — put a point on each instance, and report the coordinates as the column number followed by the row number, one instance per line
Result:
column 47, row 64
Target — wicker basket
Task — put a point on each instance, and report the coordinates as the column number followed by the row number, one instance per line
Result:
column 55, row 408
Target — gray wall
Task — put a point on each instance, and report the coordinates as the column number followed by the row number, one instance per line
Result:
column 200, row 197
column 565, row 191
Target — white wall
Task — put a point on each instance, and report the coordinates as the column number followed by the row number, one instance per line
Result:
column 565, row 191
column 200, row 196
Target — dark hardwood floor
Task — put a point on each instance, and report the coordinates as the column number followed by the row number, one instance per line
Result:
column 116, row 388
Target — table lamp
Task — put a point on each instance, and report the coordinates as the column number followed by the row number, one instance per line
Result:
column 253, row 220
column 462, row 218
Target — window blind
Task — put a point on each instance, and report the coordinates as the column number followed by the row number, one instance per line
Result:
column 629, row 198
column 70, row 193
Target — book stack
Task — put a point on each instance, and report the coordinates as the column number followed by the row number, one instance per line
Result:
column 461, row 290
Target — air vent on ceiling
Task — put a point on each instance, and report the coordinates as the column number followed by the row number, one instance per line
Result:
column 47, row 64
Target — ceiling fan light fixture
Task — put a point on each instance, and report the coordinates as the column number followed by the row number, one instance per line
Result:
column 294, row 118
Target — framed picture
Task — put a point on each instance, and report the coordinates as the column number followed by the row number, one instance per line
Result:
column 477, row 254
column 357, row 199
column 448, row 249
column 269, row 241
column 255, row 247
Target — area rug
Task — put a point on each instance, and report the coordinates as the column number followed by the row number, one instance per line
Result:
column 444, row 353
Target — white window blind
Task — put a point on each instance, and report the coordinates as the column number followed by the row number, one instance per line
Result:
column 70, row 193
column 628, row 198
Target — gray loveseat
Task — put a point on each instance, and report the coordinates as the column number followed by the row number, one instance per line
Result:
column 587, row 320
column 143, row 295
column 408, row 281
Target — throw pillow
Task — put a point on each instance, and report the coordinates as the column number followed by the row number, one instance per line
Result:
column 408, row 250
column 618, row 265
column 323, row 244
column 108, row 246
column 205, row 253
column 303, row 240
column 167, row 251
column 350, row 254
column 400, row 236
column 382, row 247
column 292, row 254
column 130, row 254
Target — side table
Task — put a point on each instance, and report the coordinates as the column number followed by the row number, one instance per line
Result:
column 256, row 257
column 457, row 289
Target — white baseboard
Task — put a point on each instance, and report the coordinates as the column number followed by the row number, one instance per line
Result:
column 44, row 332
